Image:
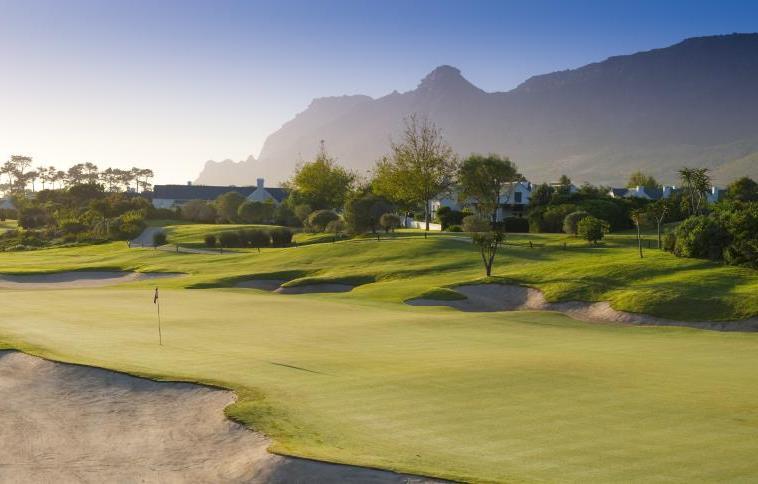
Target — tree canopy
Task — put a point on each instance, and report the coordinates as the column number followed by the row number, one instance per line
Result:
column 322, row 183
column 483, row 179
column 640, row 179
column 422, row 166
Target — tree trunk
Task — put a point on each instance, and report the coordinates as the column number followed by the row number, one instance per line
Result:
column 639, row 240
column 427, row 209
column 659, row 233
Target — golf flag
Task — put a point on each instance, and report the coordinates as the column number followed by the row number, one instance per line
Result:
column 158, row 307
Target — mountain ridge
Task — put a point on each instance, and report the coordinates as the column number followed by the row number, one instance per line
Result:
column 690, row 103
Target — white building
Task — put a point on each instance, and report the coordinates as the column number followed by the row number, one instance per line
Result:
column 171, row 196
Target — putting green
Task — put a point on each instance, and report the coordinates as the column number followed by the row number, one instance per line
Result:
column 361, row 378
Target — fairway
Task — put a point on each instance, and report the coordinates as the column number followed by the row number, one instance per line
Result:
column 362, row 378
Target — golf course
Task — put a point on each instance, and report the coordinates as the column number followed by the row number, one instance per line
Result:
column 362, row 377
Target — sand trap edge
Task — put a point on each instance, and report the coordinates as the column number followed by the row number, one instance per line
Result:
column 508, row 297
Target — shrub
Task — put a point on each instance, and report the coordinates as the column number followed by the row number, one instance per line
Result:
column 740, row 220
column 390, row 221
column 571, row 220
column 319, row 219
column 701, row 236
column 257, row 238
column 455, row 228
column 447, row 217
column 229, row 239
column 283, row 215
column 159, row 238
column 33, row 217
column 302, row 211
column 516, row 225
column 592, row 229
column 256, row 212
column 73, row 227
column 473, row 223
column 335, row 227
column 669, row 242
column 199, row 211
column 363, row 212
column 281, row 236
column 210, row 240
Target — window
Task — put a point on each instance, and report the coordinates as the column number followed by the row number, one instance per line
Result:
column 517, row 197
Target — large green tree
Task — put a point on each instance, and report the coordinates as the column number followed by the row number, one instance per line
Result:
column 421, row 166
column 227, row 206
column 322, row 183
column 483, row 179
column 744, row 189
column 640, row 179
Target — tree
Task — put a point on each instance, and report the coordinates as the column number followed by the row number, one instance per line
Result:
column 695, row 182
column 658, row 210
column 75, row 175
column 363, row 212
column 564, row 185
column 483, row 178
column 199, row 211
column 488, row 243
column 90, row 173
column 592, row 229
column 390, row 221
column 422, row 166
column 302, row 211
column 638, row 217
column 571, row 222
column 639, row 179
column 336, row 227
column 322, row 183
column 227, row 205
column 473, row 224
column 319, row 219
column 744, row 189
column 256, row 212
column 541, row 195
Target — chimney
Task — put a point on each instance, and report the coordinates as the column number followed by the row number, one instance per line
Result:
column 189, row 183
column 259, row 183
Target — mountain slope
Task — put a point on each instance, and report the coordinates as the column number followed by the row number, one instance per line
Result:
column 693, row 103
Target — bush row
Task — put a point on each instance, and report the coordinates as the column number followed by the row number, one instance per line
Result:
column 250, row 238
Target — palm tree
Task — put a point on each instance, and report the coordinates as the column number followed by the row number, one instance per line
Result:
column 696, row 182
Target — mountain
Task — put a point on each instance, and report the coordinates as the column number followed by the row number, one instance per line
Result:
column 229, row 172
column 692, row 103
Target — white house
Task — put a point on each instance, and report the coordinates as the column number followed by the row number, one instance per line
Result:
column 171, row 196
column 514, row 199
column 6, row 204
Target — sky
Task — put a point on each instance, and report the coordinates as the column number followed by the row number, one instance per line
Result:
column 168, row 84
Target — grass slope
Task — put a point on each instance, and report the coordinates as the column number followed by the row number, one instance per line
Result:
column 361, row 378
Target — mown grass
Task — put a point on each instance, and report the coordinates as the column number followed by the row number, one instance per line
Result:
column 484, row 397
column 361, row 378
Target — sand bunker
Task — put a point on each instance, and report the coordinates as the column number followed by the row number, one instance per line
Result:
column 76, row 279
column 502, row 297
column 275, row 285
column 315, row 288
column 262, row 284
column 69, row 423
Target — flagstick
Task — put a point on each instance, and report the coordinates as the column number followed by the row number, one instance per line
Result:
column 157, row 302
column 160, row 337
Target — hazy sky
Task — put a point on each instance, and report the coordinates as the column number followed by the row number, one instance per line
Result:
column 170, row 84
